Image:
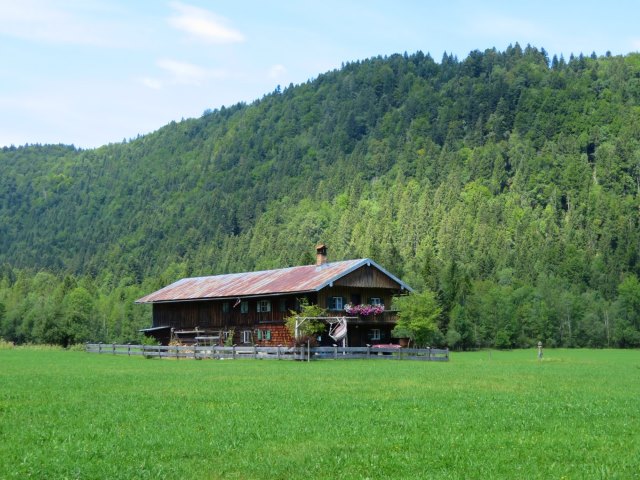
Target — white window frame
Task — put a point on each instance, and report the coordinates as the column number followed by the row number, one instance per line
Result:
column 246, row 336
column 263, row 306
column 375, row 301
column 336, row 303
column 244, row 306
column 375, row 334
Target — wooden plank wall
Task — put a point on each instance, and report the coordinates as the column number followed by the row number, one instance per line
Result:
column 367, row 277
column 210, row 314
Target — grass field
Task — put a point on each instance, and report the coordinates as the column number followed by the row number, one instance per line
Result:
column 483, row 415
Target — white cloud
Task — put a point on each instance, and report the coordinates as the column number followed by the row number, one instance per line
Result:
column 40, row 21
column 152, row 83
column 32, row 103
column 277, row 71
column 181, row 73
column 203, row 25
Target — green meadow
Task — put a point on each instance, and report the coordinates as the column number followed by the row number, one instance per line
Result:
column 69, row 414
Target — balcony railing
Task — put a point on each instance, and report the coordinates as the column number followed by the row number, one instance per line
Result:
column 388, row 316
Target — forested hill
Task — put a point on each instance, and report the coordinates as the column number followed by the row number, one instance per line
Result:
column 507, row 182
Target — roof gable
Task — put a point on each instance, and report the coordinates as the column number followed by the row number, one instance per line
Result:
column 308, row 278
column 367, row 276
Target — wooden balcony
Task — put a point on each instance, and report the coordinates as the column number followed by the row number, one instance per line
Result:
column 388, row 317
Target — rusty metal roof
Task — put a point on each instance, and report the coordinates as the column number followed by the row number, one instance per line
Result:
column 308, row 278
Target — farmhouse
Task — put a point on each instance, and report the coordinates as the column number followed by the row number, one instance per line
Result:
column 252, row 306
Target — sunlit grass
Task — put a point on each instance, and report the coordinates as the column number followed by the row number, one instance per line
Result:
column 575, row 414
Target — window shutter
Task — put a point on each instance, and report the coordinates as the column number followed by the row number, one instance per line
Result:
column 259, row 334
column 267, row 334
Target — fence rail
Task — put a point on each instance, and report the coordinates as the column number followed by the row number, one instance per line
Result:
column 200, row 352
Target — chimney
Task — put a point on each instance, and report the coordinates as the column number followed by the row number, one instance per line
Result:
column 321, row 255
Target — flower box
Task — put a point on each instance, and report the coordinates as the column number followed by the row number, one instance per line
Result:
column 364, row 310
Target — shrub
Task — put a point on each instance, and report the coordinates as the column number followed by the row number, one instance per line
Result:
column 310, row 329
column 417, row 314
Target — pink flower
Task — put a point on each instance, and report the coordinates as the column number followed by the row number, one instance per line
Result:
column 364, row 310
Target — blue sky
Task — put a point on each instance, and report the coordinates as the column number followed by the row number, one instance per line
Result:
column 93, row 72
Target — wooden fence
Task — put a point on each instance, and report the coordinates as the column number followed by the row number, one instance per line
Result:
column 270, row 353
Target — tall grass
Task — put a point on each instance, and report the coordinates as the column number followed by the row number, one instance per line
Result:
column 576, row 414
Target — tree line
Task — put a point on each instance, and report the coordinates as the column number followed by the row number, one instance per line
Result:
column 506, row 183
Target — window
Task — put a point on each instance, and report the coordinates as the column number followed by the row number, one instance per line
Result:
column 374, row 334
column 225, row 307
column 246, row 336
column 336, row 303
column 283, row 305
column 244, row 307
column 375, row 301
column 263, row 334
column 263, row 306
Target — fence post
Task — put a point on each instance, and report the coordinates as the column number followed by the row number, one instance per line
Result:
column 113, row 346
column 278, row 352
column 335, row 351
column 233, row 352
column 129, row 349
column 99, row 347
column 368, row 351
column 429, row 354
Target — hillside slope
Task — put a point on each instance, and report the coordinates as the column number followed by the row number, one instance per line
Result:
column 507, row 182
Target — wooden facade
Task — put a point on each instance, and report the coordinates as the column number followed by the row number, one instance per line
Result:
column 260, row 319
column 263, row 318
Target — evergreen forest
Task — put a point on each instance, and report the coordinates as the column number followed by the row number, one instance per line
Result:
column 507, row 183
